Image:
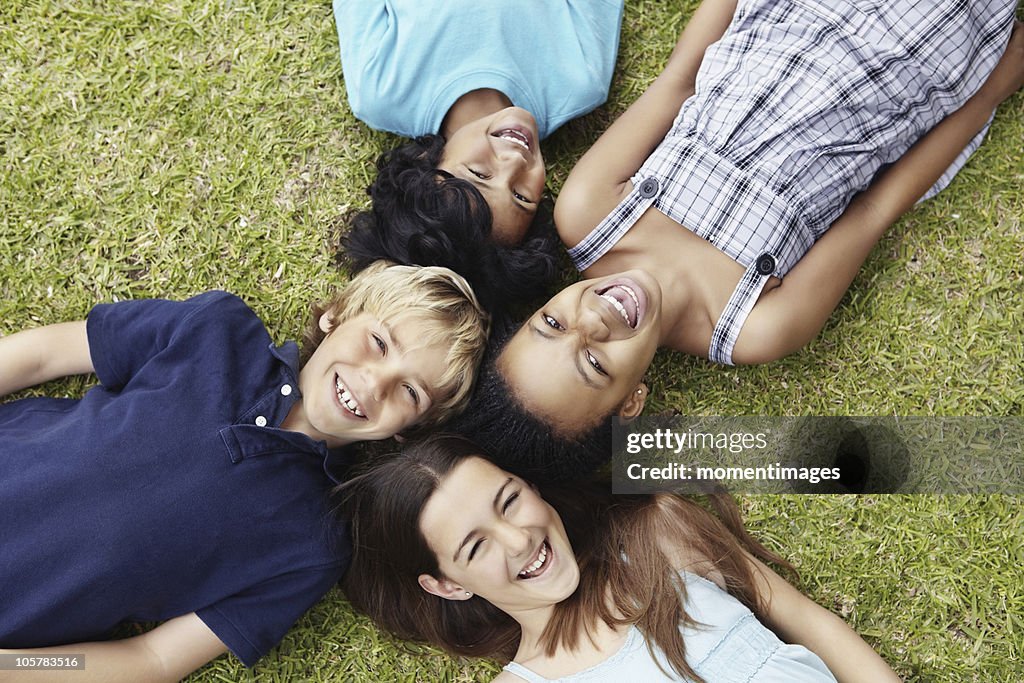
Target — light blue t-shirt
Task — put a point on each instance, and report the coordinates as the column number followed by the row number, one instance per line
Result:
column 405, row 62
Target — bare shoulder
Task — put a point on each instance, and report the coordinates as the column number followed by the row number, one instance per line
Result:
column 582, row 204
column 770, row 331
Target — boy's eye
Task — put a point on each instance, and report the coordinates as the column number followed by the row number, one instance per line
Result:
column 478, row 174
column 521, row 197
column 508, row 502
column 551, row 322
column 596, row 363
column 380, row 344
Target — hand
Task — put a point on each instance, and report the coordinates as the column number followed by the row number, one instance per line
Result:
column 1008, row 76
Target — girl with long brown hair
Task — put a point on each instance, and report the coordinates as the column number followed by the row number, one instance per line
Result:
column 451, row 550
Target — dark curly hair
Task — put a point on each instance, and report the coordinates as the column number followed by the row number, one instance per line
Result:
column 521, row 442
column 421, row 215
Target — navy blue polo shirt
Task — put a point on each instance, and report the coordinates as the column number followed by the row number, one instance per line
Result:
column 168, row 489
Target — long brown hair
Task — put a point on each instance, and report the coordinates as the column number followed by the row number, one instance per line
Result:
column 390, row 552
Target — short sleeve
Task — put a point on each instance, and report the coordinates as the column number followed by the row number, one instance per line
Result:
column 362, row 26
column 598, row 24
column 252, row 622
column 124, row 336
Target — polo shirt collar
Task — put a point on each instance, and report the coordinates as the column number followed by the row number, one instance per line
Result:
column 255, row 433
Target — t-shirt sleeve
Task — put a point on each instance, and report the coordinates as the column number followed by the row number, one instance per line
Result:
column 598, row 23
column 124, row 336
column 362, row 26
column 252, row 622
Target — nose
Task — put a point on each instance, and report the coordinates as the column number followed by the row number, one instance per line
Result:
column 511, row 160
column 379, row 379
column 591, row 324
column 516, row 539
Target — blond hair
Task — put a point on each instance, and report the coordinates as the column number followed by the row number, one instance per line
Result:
column 441, row 298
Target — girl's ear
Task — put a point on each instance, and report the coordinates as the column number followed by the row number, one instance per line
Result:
column 634, row 403
column 443, row 588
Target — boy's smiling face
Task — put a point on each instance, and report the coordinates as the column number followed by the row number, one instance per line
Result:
column 369, row 379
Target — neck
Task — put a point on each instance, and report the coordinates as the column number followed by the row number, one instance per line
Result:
column 532, row 623
column 296, row 421
column 472, row 106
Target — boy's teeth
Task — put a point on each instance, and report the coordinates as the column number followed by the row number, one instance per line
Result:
column 346, row 398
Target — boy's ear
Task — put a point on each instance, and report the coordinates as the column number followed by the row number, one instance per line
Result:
column 634, row 403
column 327, row 322
column 443, row 588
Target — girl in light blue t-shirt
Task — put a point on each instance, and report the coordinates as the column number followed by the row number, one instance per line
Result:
column 452, row 550
column 479, row 85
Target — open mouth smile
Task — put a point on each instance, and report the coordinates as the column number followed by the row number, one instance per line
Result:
column 515, row 136
column 346, row 399
column 539, row 564
column 623, row 299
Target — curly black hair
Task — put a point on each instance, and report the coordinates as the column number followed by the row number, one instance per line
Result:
column 421, row 215
column 519, row 441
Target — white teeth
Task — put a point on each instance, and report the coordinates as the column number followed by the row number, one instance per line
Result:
column 541, row 559
column 618, row 307
column 346, row 398
column 516, row 137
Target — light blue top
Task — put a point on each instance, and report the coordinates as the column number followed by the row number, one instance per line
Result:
column 730, row 646
column 405, row 62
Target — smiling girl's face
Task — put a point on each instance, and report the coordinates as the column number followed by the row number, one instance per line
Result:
column 500, row 155
column 496, row 538
column 582, row 356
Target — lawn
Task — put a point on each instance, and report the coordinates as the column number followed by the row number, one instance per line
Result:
column 166, row 148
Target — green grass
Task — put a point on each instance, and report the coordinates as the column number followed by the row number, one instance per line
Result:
column 165, row 148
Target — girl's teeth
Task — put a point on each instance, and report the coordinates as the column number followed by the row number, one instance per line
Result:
column 541, row 559
column 514, row 137
column 618, row 307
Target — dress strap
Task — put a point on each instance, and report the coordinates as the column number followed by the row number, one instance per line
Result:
column 741, row 302
column 524, row 673
column 616, row 224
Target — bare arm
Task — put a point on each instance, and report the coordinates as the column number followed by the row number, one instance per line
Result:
column 169, row 652
column 38, row 355
column 627, row 143
column 798, row 619
column 791, row 315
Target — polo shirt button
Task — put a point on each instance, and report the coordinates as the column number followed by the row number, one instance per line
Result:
column 261, row 421
column 766, row 264
column 649, row 188
column 286, row 389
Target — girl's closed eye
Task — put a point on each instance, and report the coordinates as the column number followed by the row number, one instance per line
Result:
column 509, row 502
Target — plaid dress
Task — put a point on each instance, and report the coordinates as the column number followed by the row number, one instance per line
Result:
column 796, row 109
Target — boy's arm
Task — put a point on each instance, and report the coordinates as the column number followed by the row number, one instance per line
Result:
column 38, row 355
column 169, row 652
column 790, row 316
column 627, row 143
column 798, row 619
